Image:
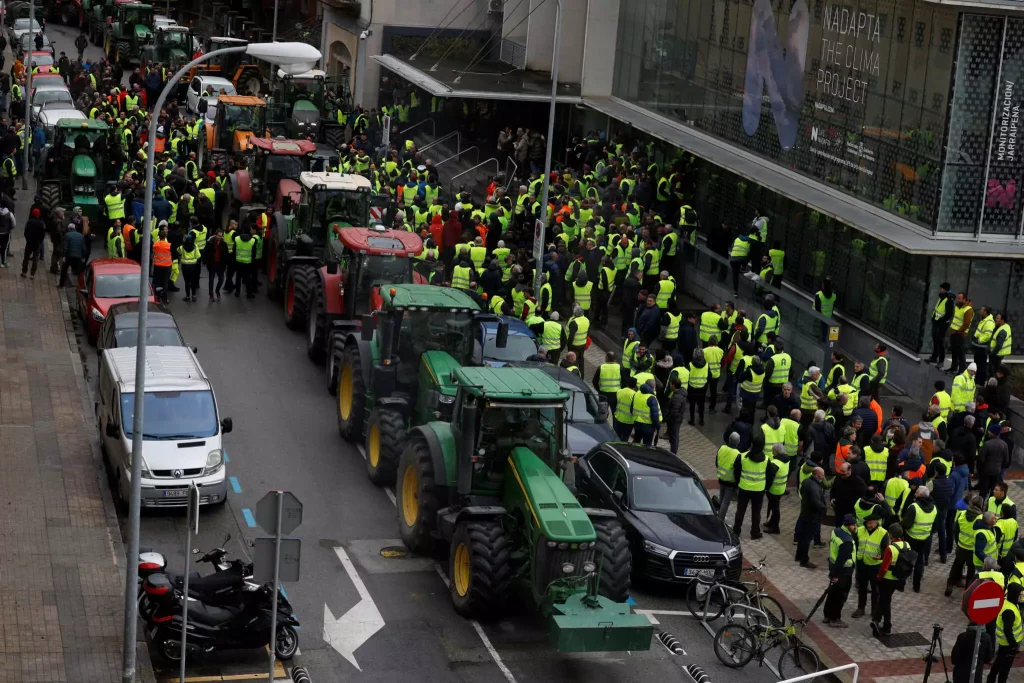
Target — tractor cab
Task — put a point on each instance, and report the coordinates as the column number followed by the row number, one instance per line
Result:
column 246, row 76
column 239, row 119
column 369, row 260
column 71, row 174
column 331, row 202
column 130, row 29
column 275, row 168
column 299, row 103
column 171, row 46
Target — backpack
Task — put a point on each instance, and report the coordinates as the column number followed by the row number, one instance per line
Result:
column 903, row 568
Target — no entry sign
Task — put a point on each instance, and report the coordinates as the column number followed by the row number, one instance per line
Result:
column 982, row 601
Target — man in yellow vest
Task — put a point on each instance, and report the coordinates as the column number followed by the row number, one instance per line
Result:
column 980, row 343
column 963, row 530
column 713, row 354
column 918, row 520
column 959, row 326
column 842, row 554
column 576, row 331
column 646, row 413
column 776, row 482
column 1009, row 634
column 963, row 389
column 888, row 583
column 553, row 338
column 709, row 324
column 777, row 372
column 724, row 461
column 942, row 314
column 607, row 380
column 872, row 540
column 622, row 417
column 751, row 470
column 1001, row 344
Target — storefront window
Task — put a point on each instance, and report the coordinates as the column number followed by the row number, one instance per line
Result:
column 852, row 93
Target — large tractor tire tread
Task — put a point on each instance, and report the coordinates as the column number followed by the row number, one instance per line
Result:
column 614, row 559
column 296, row 295
column 417, row 496
column 50, row 195
column 351, row 394
column 316, row 323
column 385, row 435
column 335, row 350
column 489, row 567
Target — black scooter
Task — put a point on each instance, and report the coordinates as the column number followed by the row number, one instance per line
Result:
column 219, row 588
column 210, row 627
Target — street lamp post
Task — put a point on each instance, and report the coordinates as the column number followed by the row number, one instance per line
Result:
column 28, row 90
column 294, row 57
column 538, row 231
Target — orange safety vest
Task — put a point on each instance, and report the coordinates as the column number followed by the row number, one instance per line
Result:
column 126, row 232
column 162, row 254
column 841, row 453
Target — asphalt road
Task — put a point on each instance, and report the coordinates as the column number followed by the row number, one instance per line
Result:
column 285, row 437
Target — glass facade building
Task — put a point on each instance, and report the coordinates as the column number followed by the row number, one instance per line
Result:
column 904, row 104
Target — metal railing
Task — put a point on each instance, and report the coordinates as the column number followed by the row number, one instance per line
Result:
column 433, row 128
column 451, row 183
column 510, row 175
column 443, row 139
column 458, row 155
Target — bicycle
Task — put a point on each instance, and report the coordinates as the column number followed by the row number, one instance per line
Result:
column 736, row 645
column 709, row 598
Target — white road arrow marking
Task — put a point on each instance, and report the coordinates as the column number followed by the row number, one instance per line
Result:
column 356, row 626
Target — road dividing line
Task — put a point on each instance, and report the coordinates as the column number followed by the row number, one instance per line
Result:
column 480, row 632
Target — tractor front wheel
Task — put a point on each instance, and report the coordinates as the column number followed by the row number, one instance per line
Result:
column 385, row 433
column 50, row 195
column 479, row 568
column 351, row 394
column 296, row 295
column 335, row 350
column 417, row 495
column 614, row 559
column 316, row 324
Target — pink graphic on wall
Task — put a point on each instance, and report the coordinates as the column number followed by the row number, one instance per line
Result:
column 1000, row 195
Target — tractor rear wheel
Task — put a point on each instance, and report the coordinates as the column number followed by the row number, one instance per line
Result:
column 50, row 195
column 613, row 558
column 417, row 495
column 351, row 394
column 479, row 568
column 385, row 433
column 316, row 324
column 296, row 295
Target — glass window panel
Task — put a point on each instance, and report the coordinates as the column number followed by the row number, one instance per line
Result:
column 987, row 286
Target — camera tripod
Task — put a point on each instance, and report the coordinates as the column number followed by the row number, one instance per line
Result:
column 930, row 657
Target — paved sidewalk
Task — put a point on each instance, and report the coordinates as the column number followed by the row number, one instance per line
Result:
column 899, row 660
column 62, row 562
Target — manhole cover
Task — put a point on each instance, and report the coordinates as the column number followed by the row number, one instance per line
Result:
column 894, row 640
column 397, row 552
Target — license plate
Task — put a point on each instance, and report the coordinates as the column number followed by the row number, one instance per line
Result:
column 698, row 572
column 176, row 493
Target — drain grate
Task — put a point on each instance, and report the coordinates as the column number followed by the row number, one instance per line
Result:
column 914, row 639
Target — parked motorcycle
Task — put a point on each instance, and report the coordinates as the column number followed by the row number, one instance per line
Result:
column 211, row 628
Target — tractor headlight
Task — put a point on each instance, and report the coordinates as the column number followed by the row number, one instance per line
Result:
column 447, row 400
column 563, row 546
column 568, row 568
column 552, row 544
column 589, row 567
column 302, row 124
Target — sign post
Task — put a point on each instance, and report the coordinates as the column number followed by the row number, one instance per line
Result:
column 279, row 513
column 192, row 527
column 981, row 603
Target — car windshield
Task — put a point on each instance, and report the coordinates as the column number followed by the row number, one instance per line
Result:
column 435, row 330
column 237, row 117
column 119, row 286
column 29, row 39
column 519, row 347
column 42, row 60
column 41, row 97
column 22, row 24
column 172, row 415
column 582, row 405
column 174, row 38
column 670, row 493
column 155, row 336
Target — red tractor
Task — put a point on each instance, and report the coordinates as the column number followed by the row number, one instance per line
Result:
column 360, row 261
column 271, row 176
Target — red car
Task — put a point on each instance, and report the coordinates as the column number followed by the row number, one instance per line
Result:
column 105, row 282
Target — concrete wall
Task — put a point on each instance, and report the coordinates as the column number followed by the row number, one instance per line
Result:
column 541, row 35
column 599, row 51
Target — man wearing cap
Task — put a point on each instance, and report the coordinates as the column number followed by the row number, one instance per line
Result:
column 963, row 389
column 841, row 552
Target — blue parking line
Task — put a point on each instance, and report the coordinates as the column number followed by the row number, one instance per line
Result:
column 284, row 593
column 226, row 458
column 235, row 486
column 630, row 601
column 249, row 519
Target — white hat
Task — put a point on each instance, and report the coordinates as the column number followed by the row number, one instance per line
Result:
column 972, row 368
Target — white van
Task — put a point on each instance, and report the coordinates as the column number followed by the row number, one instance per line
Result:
column 182, row 426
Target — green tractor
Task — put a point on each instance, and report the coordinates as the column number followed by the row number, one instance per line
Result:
column 496, row 485
column 70, row 175
column 129, row 30
column 302, row 106
column 170, row 46
column 397, row 375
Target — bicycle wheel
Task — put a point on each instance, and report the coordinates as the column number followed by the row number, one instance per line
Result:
column 771, row 607
column 735, row 645
column 705, row 599
column 798, row 660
